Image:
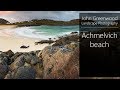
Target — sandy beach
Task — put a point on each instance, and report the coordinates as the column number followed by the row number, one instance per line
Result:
column 7, row 26
column 14, row 43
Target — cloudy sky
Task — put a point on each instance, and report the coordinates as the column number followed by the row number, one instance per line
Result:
column 14, row 16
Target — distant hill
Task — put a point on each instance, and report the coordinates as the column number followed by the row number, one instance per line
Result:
column 36, row 22
column 3, row 21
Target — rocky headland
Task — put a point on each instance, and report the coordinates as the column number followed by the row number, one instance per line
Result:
column 37, row 22
column 57, row 61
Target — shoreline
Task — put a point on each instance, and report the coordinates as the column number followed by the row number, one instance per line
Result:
column 35, row 61
column 9, row 42
column 14, row 44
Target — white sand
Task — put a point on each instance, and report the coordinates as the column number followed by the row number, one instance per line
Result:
column 7, row 26
column 14, row 43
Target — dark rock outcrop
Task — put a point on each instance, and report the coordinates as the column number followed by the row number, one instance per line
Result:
column 29, row 58
column 3, row 21
column 74, row 33
column 5, row 59
column 24, row 72
column 67, row 40
column 24, row 46
column 19, row 61
column 17, row 54
column 53, row 62
column 3, row 71
column 44, row 41
column 9, row 53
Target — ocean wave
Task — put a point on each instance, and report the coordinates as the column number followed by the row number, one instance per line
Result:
column 7, row 32
column 40, row 32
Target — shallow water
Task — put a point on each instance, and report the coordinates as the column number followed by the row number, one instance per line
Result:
column 42, row 32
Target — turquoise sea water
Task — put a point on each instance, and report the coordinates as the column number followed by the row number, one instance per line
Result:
column 45, row 32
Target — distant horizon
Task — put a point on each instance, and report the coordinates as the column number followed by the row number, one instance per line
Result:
column 44, row 19
column 19, row 16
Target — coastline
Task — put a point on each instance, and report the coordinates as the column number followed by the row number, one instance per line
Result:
column 14, row 43
column 35, row 61
column 9, row 41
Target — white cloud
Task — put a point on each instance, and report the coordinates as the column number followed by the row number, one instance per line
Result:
column 55, row 15
column 28, row 15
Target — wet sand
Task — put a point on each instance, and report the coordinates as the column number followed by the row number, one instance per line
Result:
column 8, row 42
